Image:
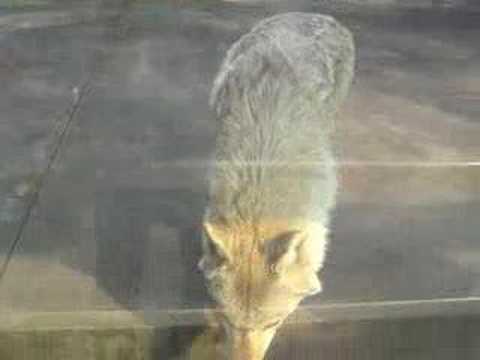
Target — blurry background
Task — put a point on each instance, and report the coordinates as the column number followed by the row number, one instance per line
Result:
column 117, row 221
column 116, row 225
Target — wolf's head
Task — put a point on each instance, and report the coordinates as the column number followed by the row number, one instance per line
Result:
column 258, row 273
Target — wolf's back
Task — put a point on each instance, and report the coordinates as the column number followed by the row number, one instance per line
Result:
column 313, row 51
column 275, row 99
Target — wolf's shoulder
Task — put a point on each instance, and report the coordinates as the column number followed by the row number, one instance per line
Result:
column 309, row 48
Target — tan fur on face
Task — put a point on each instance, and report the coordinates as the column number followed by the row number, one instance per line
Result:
column 251, row 293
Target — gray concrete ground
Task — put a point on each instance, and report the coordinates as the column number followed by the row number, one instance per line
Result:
column 118, row 218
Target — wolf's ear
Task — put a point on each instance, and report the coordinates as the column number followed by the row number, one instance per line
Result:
column 215, row 254
column 311, row 286
column 284, row 250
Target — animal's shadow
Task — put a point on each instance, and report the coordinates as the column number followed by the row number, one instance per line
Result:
column 148, row 247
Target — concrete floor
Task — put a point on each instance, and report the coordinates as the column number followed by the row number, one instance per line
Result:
column 117, row 221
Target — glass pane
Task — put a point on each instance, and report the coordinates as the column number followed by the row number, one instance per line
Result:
column 107, row 144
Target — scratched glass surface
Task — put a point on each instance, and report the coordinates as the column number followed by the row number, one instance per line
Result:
column 105, row 134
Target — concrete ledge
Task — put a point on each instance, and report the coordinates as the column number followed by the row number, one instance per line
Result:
column 158, row 319
column 429, row 329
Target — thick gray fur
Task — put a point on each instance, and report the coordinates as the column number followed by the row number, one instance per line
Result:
column 275, row 99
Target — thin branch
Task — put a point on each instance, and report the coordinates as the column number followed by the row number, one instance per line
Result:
column 79, row 93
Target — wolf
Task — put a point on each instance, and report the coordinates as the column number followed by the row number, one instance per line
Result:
column 272, row 181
